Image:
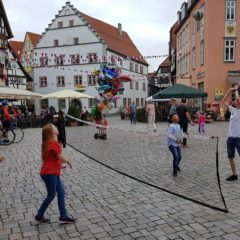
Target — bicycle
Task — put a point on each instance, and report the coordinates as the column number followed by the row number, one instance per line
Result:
column 7, row 136
column 19, row 133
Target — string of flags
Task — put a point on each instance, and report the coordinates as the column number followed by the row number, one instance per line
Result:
column 78, row 58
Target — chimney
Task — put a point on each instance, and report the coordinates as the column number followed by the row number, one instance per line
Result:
column 120, row 28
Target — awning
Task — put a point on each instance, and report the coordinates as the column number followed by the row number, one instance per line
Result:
column 179, row 91
column 17, row 94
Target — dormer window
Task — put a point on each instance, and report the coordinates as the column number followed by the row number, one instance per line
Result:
column 60, row 24
column 55, row 42
column 75, row 40
column 67, row 12
column 71, row 23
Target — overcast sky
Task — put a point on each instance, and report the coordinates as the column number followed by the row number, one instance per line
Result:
column 146, row 21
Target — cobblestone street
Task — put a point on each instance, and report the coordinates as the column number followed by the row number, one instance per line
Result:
column 108, row 205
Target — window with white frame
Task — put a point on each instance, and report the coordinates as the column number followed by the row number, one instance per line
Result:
column 202, row 53
column 91, row 80
column 43, row 81
column 61, row 103
column 142, row 102
column 91, row 102
column 141, row 69
column 131, row 85
column 77, row 80
column 194, row 58
column 92, row 57
column 137, row 85
column 229, row 50
column 60, row 81
column 144, row 86
column 129, row 101
column 136, row 68
column 137, row 102
column 59, row 60
column 131, row 66
column 230, row 10
column 75, row 58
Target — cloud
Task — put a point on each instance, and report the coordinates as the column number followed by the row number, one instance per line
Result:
column 147, row 22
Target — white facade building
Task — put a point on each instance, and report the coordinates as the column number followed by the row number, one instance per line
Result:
column 73, row 47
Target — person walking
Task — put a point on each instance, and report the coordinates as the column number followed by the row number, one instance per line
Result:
column 52, row 159
column 173, row 108
column 233, row 140
column 174, row 140
column 133, row 112
column 184, row 118
column 201, row 122
column 151, row 116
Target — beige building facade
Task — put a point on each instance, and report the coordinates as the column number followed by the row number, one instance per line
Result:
column 208, row 41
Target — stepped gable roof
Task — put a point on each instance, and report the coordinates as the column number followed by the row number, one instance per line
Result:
column 117, row 42
column 34, row 37
column 5, row 19
column 17, row 46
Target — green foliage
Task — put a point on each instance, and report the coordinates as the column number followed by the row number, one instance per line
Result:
column 74, row 111
column 141, row 115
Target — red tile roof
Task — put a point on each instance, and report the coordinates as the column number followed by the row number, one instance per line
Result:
column 34, row 37
column 166, row 63
column 120, row 43
column 17, row 46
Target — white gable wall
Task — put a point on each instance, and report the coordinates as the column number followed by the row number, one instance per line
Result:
column 88, row 43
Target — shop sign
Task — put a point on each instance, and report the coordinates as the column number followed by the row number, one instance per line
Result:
column 200, row 75
column 233, row 73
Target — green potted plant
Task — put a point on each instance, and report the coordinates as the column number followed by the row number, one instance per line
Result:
column 74, row 112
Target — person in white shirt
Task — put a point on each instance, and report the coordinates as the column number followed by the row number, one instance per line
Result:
column 233, row 140
column 174, row 140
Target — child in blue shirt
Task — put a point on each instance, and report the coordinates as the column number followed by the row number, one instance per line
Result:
column 174, row 140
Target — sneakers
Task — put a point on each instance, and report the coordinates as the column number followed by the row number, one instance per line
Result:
column 42, row 219
column 232, row 178
column 66, row 220
column 174, row 174
column 178, row 169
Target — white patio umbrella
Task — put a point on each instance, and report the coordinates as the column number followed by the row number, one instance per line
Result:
column 67, row 94
column 17, row 94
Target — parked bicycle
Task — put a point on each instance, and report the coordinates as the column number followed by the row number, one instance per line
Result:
column 7, row 136
column 19, row 133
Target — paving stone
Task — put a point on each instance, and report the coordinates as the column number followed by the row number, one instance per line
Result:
column 106, row 204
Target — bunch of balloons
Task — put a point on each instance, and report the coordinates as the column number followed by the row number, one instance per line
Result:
column 110, row 84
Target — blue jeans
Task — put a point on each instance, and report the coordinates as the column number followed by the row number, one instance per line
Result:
column 54, row 185
column 177, row 156
column 133, row 117
column 232, row 143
